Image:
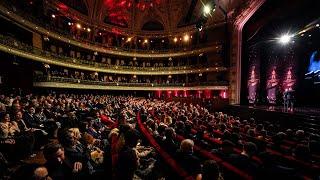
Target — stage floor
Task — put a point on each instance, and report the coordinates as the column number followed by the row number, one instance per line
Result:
column 301, row 117
column 296, row 111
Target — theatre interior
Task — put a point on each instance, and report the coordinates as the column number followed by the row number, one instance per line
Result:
column 159, row 89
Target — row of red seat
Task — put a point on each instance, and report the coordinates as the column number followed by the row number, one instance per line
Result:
column 208, row 155
column 311, row 166
column 166, row 157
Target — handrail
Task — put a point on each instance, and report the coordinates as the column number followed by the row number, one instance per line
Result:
column 14, row 44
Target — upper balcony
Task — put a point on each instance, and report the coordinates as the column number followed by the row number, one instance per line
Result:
column 38, row 25
column 15, row 47
column 61, row 82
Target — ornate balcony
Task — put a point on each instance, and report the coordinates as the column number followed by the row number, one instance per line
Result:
column 39, row 26
column 60, row 82
column 15, row 47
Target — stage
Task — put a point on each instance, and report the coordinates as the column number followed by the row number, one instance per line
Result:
column 301, row 117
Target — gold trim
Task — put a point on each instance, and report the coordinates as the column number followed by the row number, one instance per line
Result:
column 126, row 88
column 49, row 60
column 53, row 4
column 34, row 27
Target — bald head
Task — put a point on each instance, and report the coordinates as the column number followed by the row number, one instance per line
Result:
column 41, row 173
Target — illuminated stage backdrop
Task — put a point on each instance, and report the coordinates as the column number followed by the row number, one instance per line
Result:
column 271, row 72
column 254, row 75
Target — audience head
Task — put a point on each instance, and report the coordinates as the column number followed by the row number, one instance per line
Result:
column 249, row 149
column 186, row 146
column 210, row 170
column 41, row 173
column 302, row 152
column 5, row 117
column 170, row 133
column 131, row 138
column 227, row 146
column 54, row 153
column 18, row 115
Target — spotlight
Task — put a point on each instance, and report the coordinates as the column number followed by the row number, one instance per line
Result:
column 78, row 26
column 186, row 38
column 129, row 39
column 285, row 39
column 317, row 25
column 146, row 41
column 88, row 29
column 206, row 10
column 69, row 23
column 175, row 39
column 53, row 16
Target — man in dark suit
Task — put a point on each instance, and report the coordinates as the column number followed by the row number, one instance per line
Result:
column 187, row 160
column 30, row 119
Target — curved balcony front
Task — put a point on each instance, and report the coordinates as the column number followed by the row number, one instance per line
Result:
column 38, row 26
column 14, row 47
column 60, row 82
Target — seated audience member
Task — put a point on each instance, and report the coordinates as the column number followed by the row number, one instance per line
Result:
column 30, row 118
column 244, row 160
column 302, row 152
column 187, row 160
column 226, row 149
column 160, row 136
column 210, row 171
column 60, row 166
column 41, row 173
column 73, row 149
column 169, row 143
column 8, row 128
column 128, row 161
column 272, row 168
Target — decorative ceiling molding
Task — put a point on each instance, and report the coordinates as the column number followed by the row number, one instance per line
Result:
column 169, row 11
column 114, row 51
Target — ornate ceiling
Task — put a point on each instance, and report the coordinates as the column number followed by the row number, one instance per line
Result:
column 134, row 15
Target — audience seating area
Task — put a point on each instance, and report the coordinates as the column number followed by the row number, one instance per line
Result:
column 99, row 136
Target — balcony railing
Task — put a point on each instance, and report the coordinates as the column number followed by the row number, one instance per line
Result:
column 102, row 83
column 36, row 23
column 12, row 43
